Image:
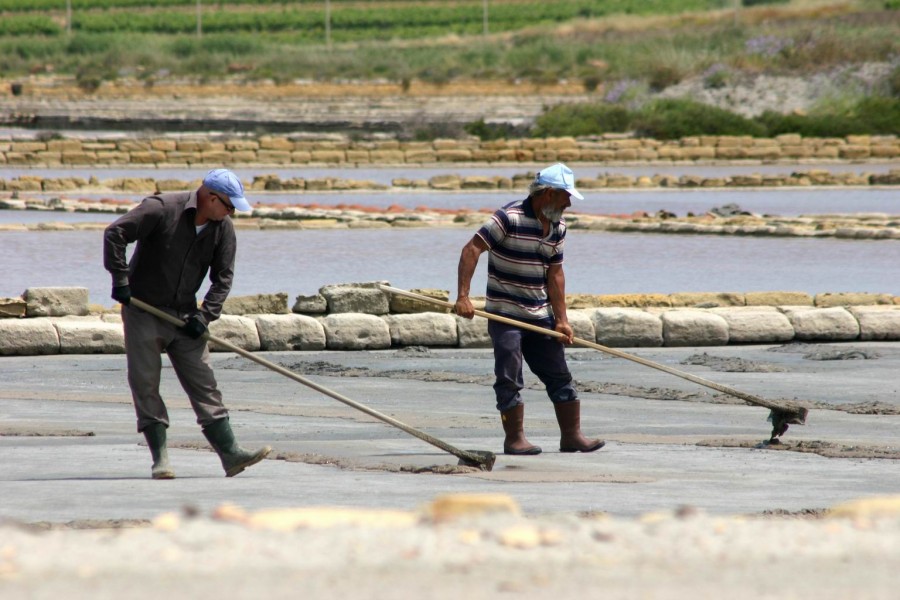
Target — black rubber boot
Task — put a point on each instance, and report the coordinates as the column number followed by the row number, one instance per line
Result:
column 234, row 458
column 156, row 440
column 568, row 415
column 514, row 426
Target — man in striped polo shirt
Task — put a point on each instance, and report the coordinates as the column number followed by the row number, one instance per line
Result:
column 526, row 283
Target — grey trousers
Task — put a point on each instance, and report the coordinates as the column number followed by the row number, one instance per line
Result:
column 545, row 357
column 146, row 338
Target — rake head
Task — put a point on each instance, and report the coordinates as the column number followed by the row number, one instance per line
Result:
column 481, row 459
column 782, row 418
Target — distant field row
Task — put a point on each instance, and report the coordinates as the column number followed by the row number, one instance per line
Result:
column 607, row 5
column 354, row 21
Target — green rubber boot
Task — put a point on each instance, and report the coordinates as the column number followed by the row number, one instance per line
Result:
column 156, row 440
column 234, row 458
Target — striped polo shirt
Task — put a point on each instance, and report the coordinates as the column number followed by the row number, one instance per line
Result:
column 518, row 261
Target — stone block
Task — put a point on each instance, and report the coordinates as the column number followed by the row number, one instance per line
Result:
column 626, row 327
column 822, row 324
column 778, row 299
column 707, row 299
column 355, row 298
column 473, row 333
column 28, row 337
column 79, row 335
column 633, row 300
column 445, row 182
column 756, row 324
column 693, row 328
column 851, row 299
column 402, row 304
column 240, row 331
column 581, row 323
column 289, row 332
column 12, row 308
column 422, row 329
column 257, row 304
column 56, row 301
column 459, row 155
column 877, row 322
column 310, row 305
column 354, row 331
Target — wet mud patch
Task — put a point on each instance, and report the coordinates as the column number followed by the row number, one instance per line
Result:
column 731, row 364
column 347, row 464
column 7, row 431
column 827, row 352
column 655, row 393
column 38, row 526
column 327, row 369
column 647, row 393
column 864, row 408
column 353, row 465
column 803, row 513
column 825, row 449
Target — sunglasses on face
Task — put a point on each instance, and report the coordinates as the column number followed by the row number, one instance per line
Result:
column 228, row 206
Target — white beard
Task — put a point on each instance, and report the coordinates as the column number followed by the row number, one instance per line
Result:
column 553, row 215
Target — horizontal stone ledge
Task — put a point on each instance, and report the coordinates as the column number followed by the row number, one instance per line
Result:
column 365, row 298
column 450, row 182
column 618, row 327
column 279, row 150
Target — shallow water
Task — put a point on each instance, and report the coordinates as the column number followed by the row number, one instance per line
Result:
column 300, row 262
column 784, row 202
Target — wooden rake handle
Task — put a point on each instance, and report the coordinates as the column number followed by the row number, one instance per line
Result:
column 798, row 412
column 471, row 457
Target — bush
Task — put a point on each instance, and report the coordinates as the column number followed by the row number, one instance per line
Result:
column 677, row 118
column 873, row 115
column 582, row 119
column 806, row 125
column 495, row 131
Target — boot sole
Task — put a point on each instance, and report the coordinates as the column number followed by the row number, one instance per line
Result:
column 589, row 449
column 256, row 458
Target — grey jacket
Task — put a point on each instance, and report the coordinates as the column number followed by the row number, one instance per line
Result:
column 170, row 259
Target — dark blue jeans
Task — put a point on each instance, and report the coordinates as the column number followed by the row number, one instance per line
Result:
column 544, row 355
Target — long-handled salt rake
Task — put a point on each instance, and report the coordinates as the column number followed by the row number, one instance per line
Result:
column 781, row 415
column 482, row 459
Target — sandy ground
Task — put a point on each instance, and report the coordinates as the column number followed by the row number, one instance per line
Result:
column 686, row 499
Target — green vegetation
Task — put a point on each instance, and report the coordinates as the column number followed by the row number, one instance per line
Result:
column 674, row 119
column 404, row 41
column 619, row 50
column 352, row 22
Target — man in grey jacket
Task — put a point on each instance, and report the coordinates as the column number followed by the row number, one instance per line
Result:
column 179, row 238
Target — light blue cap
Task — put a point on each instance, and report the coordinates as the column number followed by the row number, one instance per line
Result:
column 226, row 182
column 559, row 176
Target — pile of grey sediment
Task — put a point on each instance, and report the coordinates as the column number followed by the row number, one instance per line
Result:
column 359, row 316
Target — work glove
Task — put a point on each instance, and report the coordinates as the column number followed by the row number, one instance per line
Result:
column 194, row 327
column 122, row 293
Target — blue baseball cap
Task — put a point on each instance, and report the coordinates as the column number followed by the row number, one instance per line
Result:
column 226, row 182
column 559, row 176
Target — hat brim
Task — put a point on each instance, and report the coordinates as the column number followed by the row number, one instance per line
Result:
column 575, row 194
column 239, row 203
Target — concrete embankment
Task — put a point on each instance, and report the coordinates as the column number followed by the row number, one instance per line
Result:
column 300, row 149
column 362, row 317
